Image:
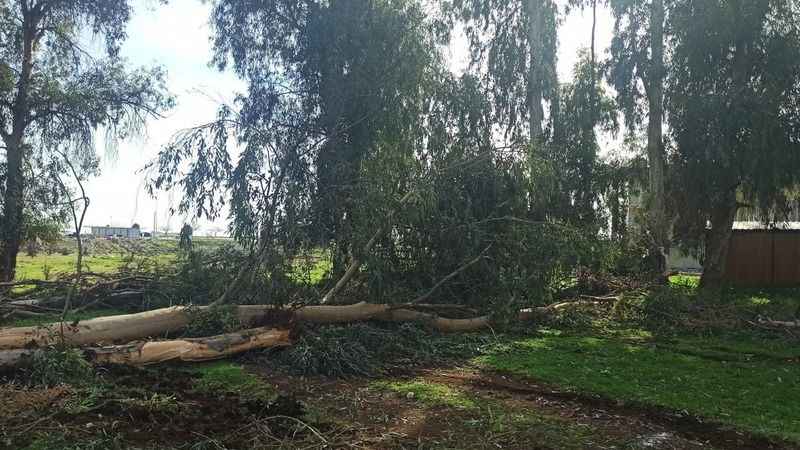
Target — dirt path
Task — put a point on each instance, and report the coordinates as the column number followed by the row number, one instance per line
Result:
column 647, row 427
column 505, row 413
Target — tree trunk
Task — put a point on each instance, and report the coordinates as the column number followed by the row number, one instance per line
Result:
column 535, row 69
column 196, row 349
column 659, row 228
column 11, row 226
column 718, row 242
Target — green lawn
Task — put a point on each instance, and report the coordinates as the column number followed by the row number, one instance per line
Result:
column 738, row 380
column 45, row 266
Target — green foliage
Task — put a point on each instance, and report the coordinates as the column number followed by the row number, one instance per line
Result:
column 735, row 141
column 514, row 44
column 212, row 321
column 57, row 97
column 415, row 132
column 369, row 350
column 51, row 367
column 760, row 395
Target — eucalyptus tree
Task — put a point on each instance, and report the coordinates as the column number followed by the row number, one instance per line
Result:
column 734, row 95
column 514, row 43
column 572, row 188
column 637, row 72
column 326, row 131
column 54, row 93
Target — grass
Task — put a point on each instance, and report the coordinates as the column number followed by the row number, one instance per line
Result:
column 312, row 268
column 716, row 379
column 432, row 394
column 43, row 266
column 686, row 280
column 227, row 377
column 481, row 422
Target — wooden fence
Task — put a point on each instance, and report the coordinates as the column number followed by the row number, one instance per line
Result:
column 764, row 258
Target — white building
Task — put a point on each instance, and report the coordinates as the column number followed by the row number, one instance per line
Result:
column 122, row 232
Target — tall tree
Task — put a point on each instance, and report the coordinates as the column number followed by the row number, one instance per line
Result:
column 734, row 95
column 54, row 93
column 638, row 73
column 571, row 156
column 329, row 123
column 509, row 38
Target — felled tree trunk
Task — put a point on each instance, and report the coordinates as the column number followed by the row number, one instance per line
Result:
column 122, row 328
column 196, row 349
column 129, row 327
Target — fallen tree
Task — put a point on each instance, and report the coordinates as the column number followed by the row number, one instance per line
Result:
column 159, row 322
column 153, row 352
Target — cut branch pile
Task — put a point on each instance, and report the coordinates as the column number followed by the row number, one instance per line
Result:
column 97, row 289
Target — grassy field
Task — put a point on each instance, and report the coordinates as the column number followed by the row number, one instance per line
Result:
column 103, row 256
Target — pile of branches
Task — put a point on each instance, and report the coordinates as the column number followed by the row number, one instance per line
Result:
column 42, row 297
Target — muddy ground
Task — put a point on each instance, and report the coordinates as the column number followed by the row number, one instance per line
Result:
column 435, row 407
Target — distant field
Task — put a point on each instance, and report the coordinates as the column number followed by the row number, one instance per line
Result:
column 102, row 255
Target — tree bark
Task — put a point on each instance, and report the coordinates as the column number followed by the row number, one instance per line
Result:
column 13, row 204
column 718, row 242
column 659, row 228
column 153, row 352
column 535, row 69
column 11, row 226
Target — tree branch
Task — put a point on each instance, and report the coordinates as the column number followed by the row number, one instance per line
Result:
column 449, row 277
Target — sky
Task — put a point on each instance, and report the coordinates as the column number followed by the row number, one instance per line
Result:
column 176, row 37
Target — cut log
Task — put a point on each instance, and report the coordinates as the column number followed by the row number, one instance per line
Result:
column 153, row 352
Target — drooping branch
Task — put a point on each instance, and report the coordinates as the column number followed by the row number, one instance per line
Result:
column 449, row 277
